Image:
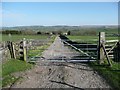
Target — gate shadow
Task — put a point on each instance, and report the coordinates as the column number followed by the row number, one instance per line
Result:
column 67, row 85
column 74, row 67
column 79, row 68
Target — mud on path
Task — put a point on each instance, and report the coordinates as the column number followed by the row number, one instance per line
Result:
column 47, row 74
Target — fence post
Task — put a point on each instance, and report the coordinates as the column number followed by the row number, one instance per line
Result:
column 101, row 44
column 24, row 49
column 11, row 49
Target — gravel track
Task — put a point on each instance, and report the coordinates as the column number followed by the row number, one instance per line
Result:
column 47, row 74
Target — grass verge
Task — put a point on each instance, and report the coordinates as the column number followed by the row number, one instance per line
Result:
column 111, row 74
column 37, row 52
column 12, row 66
column 39, row 49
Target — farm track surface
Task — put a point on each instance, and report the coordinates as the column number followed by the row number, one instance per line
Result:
column 47, row 74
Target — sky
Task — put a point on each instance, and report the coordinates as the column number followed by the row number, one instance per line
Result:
column 60, row 0
column 59, row 13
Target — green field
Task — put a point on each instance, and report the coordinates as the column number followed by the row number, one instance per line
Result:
column 20, row 37
column 89, row 38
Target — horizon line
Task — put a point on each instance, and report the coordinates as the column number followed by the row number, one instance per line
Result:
column 62, row 25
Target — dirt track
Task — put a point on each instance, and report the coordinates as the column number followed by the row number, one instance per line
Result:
column 47, row 74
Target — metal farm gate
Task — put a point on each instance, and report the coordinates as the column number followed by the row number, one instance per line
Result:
column 87, row 50
column 95, row 50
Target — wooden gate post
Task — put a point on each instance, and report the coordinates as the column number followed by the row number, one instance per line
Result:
column 24, row 49
column 101, row 44
column 11, row 49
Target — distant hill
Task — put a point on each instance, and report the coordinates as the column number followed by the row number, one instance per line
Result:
column 105, row 28
column 54, row 28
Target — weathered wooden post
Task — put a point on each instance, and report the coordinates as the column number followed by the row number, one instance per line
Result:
column 101, row 49
column 24, row 49
column 11, row 49
column 101, row 44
